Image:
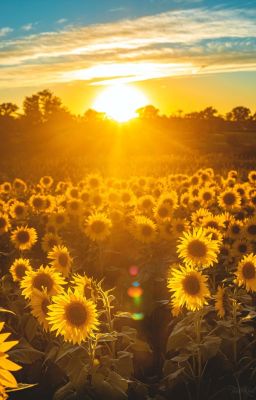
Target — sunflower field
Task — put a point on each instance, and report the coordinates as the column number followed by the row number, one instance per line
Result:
column 138, row 288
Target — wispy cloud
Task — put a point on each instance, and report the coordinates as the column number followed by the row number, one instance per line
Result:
column 180, row 42
column 27, row 27
column 61, row 21
column 4, row 31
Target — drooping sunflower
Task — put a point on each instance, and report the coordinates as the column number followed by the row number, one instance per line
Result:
column 144, row 229
column 73, row 316
column 37, row 202
column 188, row 287
column 46, row 182
column 98, row 227
column 252, row 177
column 84, row 285
column 23, row 237
column 197, row 248
column 229, row 199
column 222, row 302
column 7, row 380
column 19, row 185
column 4, row 223
column 246, row 272
column 43, row 277
column 39, row 303
column 61, row 259
column 19, row 268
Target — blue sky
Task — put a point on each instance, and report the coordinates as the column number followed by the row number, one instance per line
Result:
column 45, row 43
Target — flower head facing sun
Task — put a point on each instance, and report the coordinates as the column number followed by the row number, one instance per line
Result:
column 24, row 238
column 198, row 249
column 188, row 288
column 73, row 316
column 246, row 272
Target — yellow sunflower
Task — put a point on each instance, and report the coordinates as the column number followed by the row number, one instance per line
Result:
column 188, row 288
column 198, row 249
column 250, row 228
column 7, row 379
column 98, row 227
column 39, row 303
column 24, row 238
column 252, row 177
column 144, row 229
column 61, row 259
column 19, row 185
column 4, row 223
column 73, row 316
column 18, row 210
column 46, row 182
column 229, row 199
column 246, row 272
column 222, row 302
column 43, row 277
column 19, row 268
column 37, row 202
column 84, row 285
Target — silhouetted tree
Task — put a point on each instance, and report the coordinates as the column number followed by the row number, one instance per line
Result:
column 8, row 109
column 208, row 113
column 93, row 115
column 239, row 114
column 148, row 112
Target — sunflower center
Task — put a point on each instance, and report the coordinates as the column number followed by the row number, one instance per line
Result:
column 20, row 270
column 179, row 228
column 197, row 248
column 44, row 306
column 63, row 259
column 98, row 226
column 76, row 313
column 191, row 285
column 19, row 210
column 163, row 212
column 126, row 197
column 2, row 222
column 252, row 229
column 229, row 199
column 43, row 280
column 235, row 229
column 23, row 236
column 146, row 230
column 242, row 248
column 60, row 219
column 248, row 270
column 207, row 196
column 38, row 202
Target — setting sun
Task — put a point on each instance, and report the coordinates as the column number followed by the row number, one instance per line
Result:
column 120, row 102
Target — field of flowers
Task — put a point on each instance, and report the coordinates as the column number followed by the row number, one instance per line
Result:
column 139, row 288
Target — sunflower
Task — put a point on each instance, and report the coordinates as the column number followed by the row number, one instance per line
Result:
column 241, row 247
column 94, row 181
column 7, row 379
column 179, row 225
column 39, row 303
column 49, row 240
column 46, row 182
column 18, row 210
column 6, row 187
column 252, row 177
column 229, row 200
column 222, row 302
column 166, row 229
column 235, row 229
column 61, row 259
column 98, row 227
column 206, row 194
column 250, row 229
column 215, row 234
column 75, row 206
column 37, row 202
column 19, row 268
column 144, row 229
column 162, row 211
column 198, row 249
column 73, row 316
column 188, row 288
column 19, row 185
column 4, row 223
column 24, row 238
column 246, row 272
column 84, row 285
column 43, row 277
column 146, row 203
column 198, row 216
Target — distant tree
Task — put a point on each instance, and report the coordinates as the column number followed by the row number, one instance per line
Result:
column 148, row 112
column 93, row 115
column 240, row 114
column 208, row 113
column 31, row 109
column 8, row 109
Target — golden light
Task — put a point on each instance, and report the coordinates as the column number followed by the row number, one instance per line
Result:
column 120, row 102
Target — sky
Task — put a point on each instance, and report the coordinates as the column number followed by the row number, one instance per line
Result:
column 183, row 54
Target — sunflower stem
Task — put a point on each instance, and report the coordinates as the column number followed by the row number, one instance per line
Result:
column 199, row 358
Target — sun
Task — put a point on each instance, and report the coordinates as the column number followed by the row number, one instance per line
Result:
column 120, row 102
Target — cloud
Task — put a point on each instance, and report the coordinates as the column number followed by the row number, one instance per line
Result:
column 61, row 21
column 180, row 42
column 27, row 27
column 4, row 31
